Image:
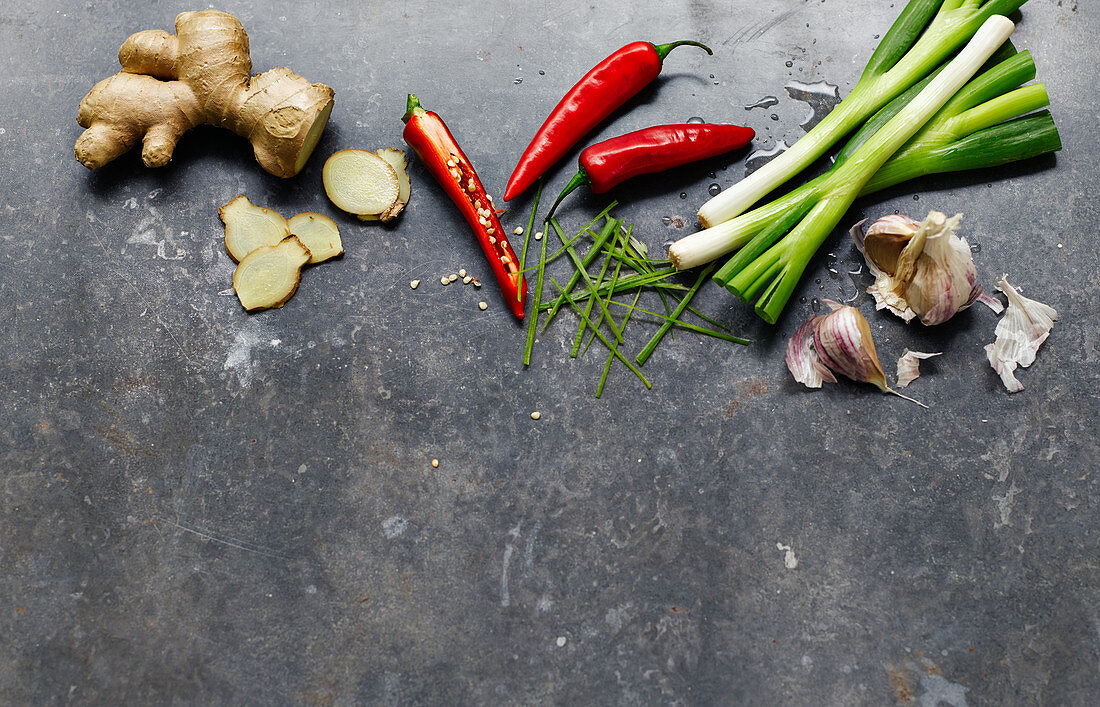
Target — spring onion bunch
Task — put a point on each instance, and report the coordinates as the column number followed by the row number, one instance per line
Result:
column 924, row 35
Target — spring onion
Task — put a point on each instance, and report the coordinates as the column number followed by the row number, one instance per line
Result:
column 924, row 35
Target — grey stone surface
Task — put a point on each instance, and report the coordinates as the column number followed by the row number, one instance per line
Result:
column 201, row 506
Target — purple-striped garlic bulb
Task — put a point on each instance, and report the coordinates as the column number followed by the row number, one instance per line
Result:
column 921, row 269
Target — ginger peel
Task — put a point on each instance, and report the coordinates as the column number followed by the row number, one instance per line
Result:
column 200, row 75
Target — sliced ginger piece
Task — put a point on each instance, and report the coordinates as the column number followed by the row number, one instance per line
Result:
column 396, row 159
column 318, row 233
column 248, row 227
column 360, row 182
column 269, row 275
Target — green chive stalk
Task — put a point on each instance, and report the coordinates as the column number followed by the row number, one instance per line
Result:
column 924, row 35
column 772, row 263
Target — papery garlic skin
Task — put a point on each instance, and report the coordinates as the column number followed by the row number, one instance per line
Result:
column 909, row 366
column 1020, row 332
column 934, row 276
column 802, row 361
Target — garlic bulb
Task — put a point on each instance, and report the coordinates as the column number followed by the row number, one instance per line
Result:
column 921, row 269
column 839, row 341
column 1021, row 331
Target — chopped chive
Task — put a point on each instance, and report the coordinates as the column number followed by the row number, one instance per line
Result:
column 588, row 308
column 642, row 357
column 614, row 351
column 593, row 252
column 527, row 235
column 531, row 326
column 600, row 334
column 587, row 279
column 687, row 325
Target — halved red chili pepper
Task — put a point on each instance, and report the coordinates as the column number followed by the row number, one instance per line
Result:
column 611, row 162
column 427, row 134
column 609, row 84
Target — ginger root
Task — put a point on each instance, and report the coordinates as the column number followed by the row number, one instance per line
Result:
column 200, row 75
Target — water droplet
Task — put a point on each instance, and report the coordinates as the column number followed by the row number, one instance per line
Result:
column 695, row 120
column 666, row 220
column 775, row 117
column 714, row 189
column 821, row 96
column 712, row 75
column 683, row 195
column 802, row 300
column 761, row 157
column 517, row 81
column 876, row 36
column 542, row 73
column 817, row 281
column 916, row 197
column 712, row 175
column 765, row 102
column 788, row 63
column 815, row 304
column 975, row 247
column 834, row 273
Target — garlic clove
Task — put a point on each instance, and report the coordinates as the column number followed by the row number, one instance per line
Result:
column 1020, row 332
column 909, row 366
column 843, row 341
column 885, row 240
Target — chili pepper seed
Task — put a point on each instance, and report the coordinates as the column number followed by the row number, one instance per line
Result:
column 536, row 415
column 518, row 230
column 414, row 284
column 538, row 235
column 444, row 280
column 435, row 463
column 482, row 306
column 467, row 280
column 462, row 272
column 452, row 278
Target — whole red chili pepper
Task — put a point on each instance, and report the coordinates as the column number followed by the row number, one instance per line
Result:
column 427, row 134
column 611, row 162
column 609, row 84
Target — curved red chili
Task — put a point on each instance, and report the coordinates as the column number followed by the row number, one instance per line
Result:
column 609, row 84
column 611, row 162
column 428, row 136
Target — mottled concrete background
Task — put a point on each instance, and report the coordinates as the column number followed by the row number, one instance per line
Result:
column 200, row 506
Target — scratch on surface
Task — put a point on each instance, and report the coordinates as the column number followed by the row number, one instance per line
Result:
column 754, row 32
column 239, row 544
column 171, row 334
column 529, row 551
column 505, row 599
column 1004, row 505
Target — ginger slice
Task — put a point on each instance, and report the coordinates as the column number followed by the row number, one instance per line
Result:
column 397, row 159
column 269, row 275
column 360, row 182
column 248, row 227
column 318, row 233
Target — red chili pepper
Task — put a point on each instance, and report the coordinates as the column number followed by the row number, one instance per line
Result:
column 427, row 134
column 611, row 83
column 611, row 162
